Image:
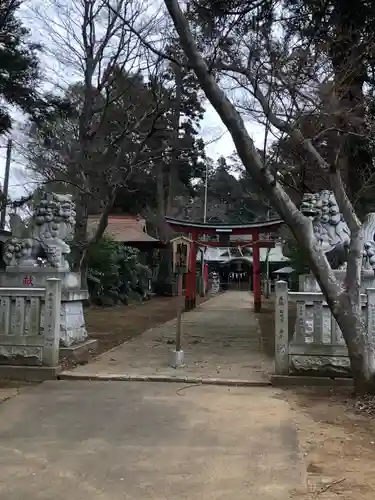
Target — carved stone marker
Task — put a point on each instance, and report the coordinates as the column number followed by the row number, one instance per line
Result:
column 281, row 329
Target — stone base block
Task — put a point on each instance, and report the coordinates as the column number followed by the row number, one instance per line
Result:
column 329, row 366
column 72, row 321
column 177, row 359
column 29, row 373
column 306, row 381
column 80, row 351
column 25, row 355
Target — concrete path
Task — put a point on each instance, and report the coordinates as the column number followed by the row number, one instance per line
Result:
column 81, row 440
column 221, row 340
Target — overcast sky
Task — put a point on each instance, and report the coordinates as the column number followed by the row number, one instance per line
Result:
column 213, row 132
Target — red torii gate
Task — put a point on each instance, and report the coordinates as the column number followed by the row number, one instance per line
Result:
column 224, row 231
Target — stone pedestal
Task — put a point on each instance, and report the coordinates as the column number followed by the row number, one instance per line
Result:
column 72, row 322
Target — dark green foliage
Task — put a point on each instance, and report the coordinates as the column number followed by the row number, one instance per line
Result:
column 179, row 151
column 18, row 64
column 317, row 41
column 230, row 198
column 297, row 260
column 222, row 22
column 19, row 71
column 343, row 32
column 115, row 273
column 165, row 283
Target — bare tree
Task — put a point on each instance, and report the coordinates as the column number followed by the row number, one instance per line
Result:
column 344, row 303
column 93, row 56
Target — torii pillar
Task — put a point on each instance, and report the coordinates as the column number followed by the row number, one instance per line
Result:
column 224, row 231
column 191, row 276
column 256, row 274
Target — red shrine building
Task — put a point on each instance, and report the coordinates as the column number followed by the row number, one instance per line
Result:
column 255, row 235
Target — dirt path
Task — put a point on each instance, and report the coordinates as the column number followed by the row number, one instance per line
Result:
column 338, row 443
column 112, row 326
column 221, row 340
column 148, row 441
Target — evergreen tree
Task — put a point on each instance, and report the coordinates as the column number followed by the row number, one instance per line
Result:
column 18, row 65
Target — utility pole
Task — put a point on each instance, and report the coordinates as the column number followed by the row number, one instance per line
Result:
column 203, row 293
column 6, row 184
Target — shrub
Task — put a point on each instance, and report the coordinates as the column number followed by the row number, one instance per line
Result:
column 115, row 273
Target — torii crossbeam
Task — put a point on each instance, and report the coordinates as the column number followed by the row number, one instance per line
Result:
column 254, row 230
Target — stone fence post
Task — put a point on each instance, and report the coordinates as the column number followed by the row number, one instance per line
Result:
column 281, row 329
column 51, row 333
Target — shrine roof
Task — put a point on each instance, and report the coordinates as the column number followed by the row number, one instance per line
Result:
column 266, row 225
column 130, row 230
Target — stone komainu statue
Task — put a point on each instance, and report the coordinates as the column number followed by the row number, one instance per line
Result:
column 44, row 239
column 332, row 232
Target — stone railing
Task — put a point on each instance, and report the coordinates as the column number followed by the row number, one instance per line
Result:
column 307, row 337
column 30, row 326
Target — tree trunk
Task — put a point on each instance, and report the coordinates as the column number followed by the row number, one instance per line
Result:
column 164, row 280
column 166, row 188
column 80, row 234
column 176, row 117
column 349, row 318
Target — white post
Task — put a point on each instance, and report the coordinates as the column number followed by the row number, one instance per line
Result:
column 179, row 311
column 371, row 329
column 51, row 333
column 281, row 329
column 178, row 356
